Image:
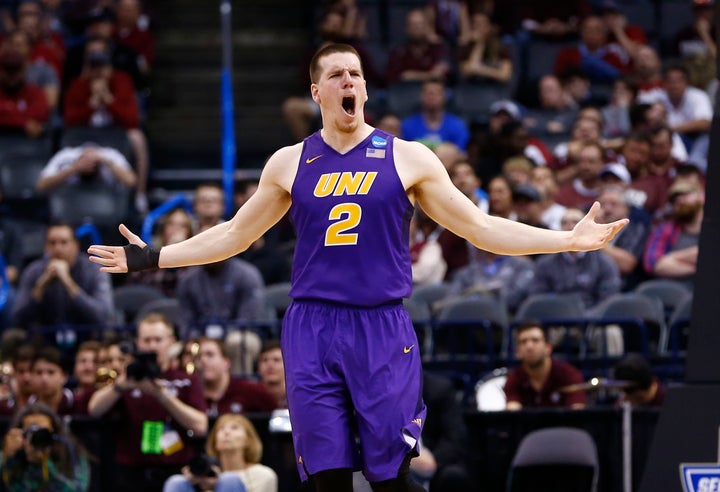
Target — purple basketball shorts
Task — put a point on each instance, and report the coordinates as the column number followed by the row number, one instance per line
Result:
column 354, row 387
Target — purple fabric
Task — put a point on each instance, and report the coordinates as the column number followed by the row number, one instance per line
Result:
column 352, row 368
column 352, row 247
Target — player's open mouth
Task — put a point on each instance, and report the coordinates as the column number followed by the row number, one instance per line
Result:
column 348, row 105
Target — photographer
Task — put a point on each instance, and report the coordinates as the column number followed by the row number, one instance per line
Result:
column 232, row 462
column 160, row 410
column 39, row 455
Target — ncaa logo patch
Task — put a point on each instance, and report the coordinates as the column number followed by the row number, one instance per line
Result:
column 379, row 142
column 700, row 477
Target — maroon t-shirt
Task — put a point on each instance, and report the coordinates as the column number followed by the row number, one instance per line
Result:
column 242, row 396
column 141, row 413
column 518, row 387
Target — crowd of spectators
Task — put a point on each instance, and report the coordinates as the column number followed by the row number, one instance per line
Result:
column 621, row 116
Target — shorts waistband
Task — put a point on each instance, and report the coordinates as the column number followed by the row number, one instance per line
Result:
column 325, row 302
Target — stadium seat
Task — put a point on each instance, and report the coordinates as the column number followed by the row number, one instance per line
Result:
column 129, row 299
column 556, row 459
column 277, row 298
column 669, row 292
column 470, row 334
column 103, row 206
column 641, row 318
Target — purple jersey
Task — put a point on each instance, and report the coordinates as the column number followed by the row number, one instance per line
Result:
column 352, row 217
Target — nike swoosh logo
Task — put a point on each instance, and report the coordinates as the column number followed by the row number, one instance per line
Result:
column 406, row 350
column 309, row 161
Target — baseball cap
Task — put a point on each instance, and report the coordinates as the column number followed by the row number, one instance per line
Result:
column 527, row 191
column 506, row 105
column 618, row 170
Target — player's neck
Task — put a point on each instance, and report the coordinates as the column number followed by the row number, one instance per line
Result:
column 343, row 141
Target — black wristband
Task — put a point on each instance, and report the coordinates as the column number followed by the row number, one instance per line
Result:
column 141, row 258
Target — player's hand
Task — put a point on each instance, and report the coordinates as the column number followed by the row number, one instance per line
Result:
column 589, row 235
column 112, row 258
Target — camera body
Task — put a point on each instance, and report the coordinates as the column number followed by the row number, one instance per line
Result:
column 39, row 437
column 201, row 465
column 144, row 366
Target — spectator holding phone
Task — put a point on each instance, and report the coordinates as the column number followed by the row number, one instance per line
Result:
column 232, row 462
column 38, row 454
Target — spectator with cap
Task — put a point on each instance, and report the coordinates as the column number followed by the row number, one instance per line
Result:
column 616, row 174
column 641, row 387
column 672, row 248
column 23, row 107
column 527, row 203
column 434, row 124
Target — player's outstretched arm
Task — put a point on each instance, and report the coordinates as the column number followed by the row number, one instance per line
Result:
column 445, row 204
column 267, row 206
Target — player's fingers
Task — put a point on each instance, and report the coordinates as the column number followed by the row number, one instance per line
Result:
column 102, row 251
column 592, row 213
column 130, row 236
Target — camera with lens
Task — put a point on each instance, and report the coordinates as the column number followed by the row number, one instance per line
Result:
column 201, row 465
column 39, row 437
column 144, row 366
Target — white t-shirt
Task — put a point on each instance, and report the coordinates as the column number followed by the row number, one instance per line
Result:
column 67, row 156
column 259, row 478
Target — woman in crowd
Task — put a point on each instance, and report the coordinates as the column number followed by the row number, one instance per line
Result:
column 235, row 445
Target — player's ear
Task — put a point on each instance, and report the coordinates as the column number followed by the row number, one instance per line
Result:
column 315, row 93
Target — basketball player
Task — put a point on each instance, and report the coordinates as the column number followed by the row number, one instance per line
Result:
column 351, row 356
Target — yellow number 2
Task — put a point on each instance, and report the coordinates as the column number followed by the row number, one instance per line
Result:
column 348, row 217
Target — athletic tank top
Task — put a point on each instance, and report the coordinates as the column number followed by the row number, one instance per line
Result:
column 352, row 218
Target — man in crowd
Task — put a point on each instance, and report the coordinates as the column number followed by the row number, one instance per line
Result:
column 50, row 378
column 540, row 380
column 223, row 392
column 160, row 409
column 272, row 371
column 63, row 286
